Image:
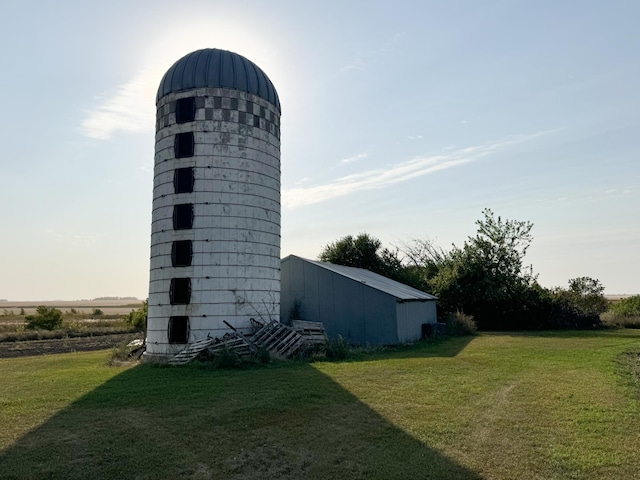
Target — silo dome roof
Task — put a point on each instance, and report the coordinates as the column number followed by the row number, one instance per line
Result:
column 211, row 67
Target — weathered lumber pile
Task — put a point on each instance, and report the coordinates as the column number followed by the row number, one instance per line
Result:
column 232, row 341
column 191, row 352
column 312, row 332
column 278, row 339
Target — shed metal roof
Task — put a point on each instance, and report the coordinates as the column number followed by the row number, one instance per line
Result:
column 374, row 280
column 211, row 67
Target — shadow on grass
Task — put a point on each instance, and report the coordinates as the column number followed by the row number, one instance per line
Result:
column 286, row 423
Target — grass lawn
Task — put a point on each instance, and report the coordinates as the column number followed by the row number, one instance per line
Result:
column 522, row 406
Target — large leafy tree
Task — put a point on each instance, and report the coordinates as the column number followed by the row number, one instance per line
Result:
column 486, row 277
column 363, row 251
column 580, row 305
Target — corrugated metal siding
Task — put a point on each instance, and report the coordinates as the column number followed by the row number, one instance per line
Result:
column 410, row 317
column 355, row 310
column 379, row 282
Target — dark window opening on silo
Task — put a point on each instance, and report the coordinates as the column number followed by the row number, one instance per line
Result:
column 181, row 253
column 183, row 180
column 183, row 145
column 183, row 216
column 178, row 329
column 186, row 110
column 180, row 291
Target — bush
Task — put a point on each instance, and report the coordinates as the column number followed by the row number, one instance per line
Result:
column 627, row 307
column 336, row 348
column 613, row 320
column 138, row 318
column 460, row 324
column 262, row 355
column 227, row 358
column 123, row 353
column 97, row 312
column 46, row 318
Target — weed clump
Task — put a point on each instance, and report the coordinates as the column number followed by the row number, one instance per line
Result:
column 337, row 348
column 460, row 324
column 263, row 356
column 227, row 359
column 124, row 352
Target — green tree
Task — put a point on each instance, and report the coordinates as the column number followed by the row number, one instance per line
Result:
column 580, row 305
column 627, row 307
column 588, row 296
column 364, row 251
column 47, row 318
column 487, row 278
column 360, row 252
column 138, row 318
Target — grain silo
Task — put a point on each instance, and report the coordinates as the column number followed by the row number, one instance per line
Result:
column 215, row 237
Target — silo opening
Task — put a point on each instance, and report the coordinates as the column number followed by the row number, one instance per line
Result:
column 178, row 329
column 183, row 216
column 180, row 291
column 183, row 145
column 181, row 253
column 186, row 110
column 183, row 180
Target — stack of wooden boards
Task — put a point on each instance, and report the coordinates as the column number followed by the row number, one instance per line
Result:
column 281, row 341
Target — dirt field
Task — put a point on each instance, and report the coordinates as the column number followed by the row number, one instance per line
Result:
column 63, row 345
column 108, row 307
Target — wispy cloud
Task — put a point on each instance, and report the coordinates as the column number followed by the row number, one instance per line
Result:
column 402, row 172
column 74, row 239
column 129, row 108
column 357, row 63
column 354, row 158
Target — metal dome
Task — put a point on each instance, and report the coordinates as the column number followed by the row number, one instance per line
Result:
column 211, row 67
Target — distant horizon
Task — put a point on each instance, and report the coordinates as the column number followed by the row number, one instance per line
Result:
column 608, row 296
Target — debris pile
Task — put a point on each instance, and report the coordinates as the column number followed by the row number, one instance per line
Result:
column 281, row 341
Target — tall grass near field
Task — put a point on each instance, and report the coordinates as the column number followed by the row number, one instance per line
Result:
column 540, row 405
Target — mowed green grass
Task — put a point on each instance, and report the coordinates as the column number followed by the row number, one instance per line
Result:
column 522, row 406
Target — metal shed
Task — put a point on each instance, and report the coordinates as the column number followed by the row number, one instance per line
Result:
column 362, row 306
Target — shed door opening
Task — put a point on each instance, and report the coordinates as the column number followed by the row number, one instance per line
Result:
column 181, row 253
column 183, row 216
column 180, row 291
column 183, row 180
column 178, row 329
column 184, row 145
column 186, row 110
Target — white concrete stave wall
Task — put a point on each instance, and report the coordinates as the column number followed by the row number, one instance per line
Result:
column 235, row 269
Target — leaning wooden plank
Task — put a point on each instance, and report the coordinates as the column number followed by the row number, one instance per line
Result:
column 306, row 325
column 190, row 352
column 292, row 347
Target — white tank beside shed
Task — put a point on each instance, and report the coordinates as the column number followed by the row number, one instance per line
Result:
column 215, row 239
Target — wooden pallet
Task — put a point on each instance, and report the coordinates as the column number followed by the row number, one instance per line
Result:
column 191, row 352
column 233, row 341
column 280, row 340
column 313, row 333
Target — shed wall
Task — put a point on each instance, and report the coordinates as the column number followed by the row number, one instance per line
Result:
column 346, row 307
column 411, row 316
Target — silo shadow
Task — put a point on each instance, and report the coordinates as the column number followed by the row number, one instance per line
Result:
column 289, row 422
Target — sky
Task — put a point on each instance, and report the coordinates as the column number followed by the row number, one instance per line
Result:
column 403, row 120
